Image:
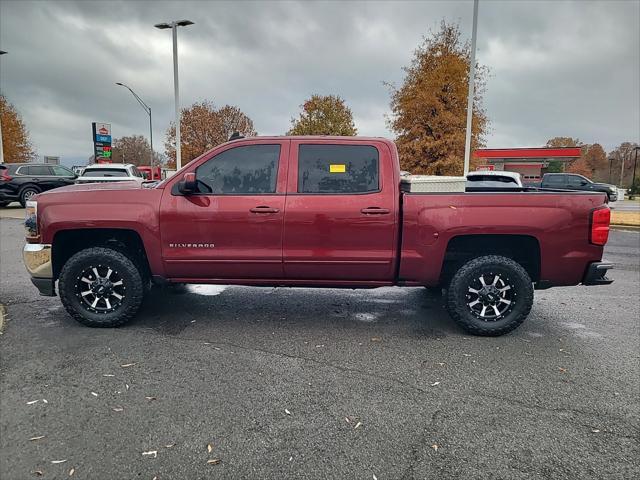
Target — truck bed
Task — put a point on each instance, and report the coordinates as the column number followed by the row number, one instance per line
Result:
column 556, row 221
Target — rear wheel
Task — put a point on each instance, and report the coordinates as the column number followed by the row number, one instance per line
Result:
column 27, row 193
column 101, row 287
column 490, row 296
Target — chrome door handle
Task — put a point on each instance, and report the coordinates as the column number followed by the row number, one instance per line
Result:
column 264, row 209
column 375, row 211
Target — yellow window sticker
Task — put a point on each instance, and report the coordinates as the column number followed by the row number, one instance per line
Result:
column 337, row 168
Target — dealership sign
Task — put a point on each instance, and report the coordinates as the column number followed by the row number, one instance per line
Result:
column 101, row 140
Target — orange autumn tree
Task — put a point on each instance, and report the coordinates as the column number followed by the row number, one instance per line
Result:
column 429, row 110
column 16, row 145
column 324, row 115
column 202, row 127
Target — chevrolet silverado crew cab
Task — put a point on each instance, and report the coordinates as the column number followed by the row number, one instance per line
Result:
column 312, row 212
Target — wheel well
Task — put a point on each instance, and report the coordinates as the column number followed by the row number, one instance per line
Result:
column 32, row 185
column 68, row 242
column 523, row 249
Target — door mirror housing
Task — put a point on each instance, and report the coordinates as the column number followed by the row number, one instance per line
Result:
column 188, row 184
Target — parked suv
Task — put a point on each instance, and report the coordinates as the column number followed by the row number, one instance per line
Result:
column 573, row 181
column 21, row 181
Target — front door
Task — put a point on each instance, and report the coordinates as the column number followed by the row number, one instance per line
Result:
column 341, row 212
column 232, row 227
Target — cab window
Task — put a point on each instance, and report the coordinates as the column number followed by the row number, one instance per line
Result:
column 244, row 170
column 338, row 169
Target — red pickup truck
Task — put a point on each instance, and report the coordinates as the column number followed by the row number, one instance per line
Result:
column 313, row 212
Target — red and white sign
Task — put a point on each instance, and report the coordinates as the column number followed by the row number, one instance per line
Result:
column 103, row 128
column 484, row 168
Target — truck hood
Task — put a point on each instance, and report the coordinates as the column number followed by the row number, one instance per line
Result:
column 605, row 185
column 88, row 187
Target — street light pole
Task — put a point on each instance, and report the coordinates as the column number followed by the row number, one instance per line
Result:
column 472, row 74
column 2, row 52
column 147, row 109
column 176, row 91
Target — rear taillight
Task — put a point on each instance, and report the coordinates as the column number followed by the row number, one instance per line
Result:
column 4, row 176
column 600, row 218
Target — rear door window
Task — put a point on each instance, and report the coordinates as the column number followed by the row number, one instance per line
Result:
column 338, row 169
column 37, row 170
column 244, row 170
column 554, row 180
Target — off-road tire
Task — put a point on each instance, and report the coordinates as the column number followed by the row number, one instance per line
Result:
column 106, row 257
column 457, row 301
column 24, row 193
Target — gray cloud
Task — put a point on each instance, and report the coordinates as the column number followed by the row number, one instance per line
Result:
column 557, row 68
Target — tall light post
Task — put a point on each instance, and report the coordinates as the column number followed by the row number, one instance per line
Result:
column 174, row 27
column 2, row 52
column 472, row 74
column 147, row 109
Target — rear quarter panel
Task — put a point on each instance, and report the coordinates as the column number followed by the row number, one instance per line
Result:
column 559, row 221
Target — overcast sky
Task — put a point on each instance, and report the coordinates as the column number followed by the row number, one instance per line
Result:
column 557, row 68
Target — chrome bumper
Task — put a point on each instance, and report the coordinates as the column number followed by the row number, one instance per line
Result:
column 37, row 260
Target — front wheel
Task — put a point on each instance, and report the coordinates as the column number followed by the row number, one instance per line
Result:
column 26, row 194
column 101, row 287
column 490, row 295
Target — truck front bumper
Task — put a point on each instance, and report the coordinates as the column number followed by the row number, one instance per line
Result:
column 37, row 260
column 597, row 274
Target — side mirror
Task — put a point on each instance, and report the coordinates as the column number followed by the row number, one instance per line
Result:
column 188, row 184
column 584, row 182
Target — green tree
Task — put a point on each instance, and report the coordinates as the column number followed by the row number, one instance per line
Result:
column 429, row 110
column 555, row 166
column 324, row 115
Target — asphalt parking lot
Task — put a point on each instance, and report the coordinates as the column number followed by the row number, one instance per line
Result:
column 315, row 384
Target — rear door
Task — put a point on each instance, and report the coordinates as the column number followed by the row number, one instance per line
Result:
column 341, row 212
column 231, row 228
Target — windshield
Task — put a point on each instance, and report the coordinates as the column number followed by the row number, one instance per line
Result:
column 105, row 172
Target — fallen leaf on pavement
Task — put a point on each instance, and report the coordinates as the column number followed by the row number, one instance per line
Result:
column 150, row 398
column 126, row 386
column 38, row 473
column 71, row 472
column 32, row 402
column 94, row 394
column 118, row 409
column 171, row 445
column 287, row 411
column 36, row 438
column 58, row 461
column 376, row 339
column 466, row 354
column 562, row 370
column 347, row 419
column 374, row 477
column 435, row 447
column 435, row 384
column 128, row 365
column 108, row 375
column 441, row 364
column 214, row 461
column 209, row 448
column 151, row 452
column 595, row 430
column 357, row 425
column 45, row 400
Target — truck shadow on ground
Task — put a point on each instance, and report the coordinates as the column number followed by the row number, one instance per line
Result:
column 412, row 311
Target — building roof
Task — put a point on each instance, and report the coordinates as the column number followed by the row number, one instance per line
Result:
column 544, row 152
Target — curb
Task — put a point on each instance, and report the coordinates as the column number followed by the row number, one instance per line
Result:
column 3, row 313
